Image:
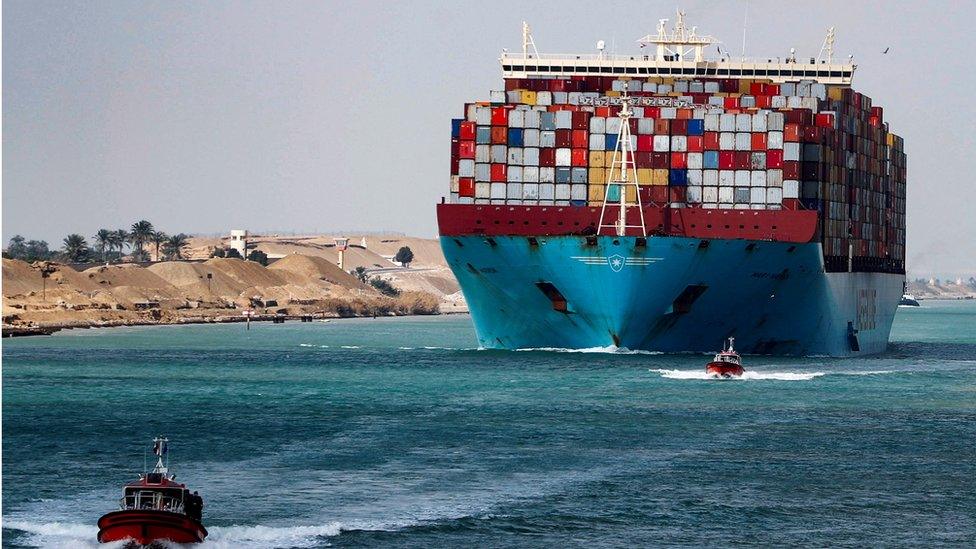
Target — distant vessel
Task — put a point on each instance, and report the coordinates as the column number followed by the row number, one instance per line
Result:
column 660, row 200
column 727, row 363
column 155, row 509
column 908, row 300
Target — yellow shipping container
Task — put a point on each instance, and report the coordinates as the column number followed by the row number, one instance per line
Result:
column 835, row 93
column 645, row 176
column 659, row 177
column 630, row 192
column 891, row 139
column 744, row 86
column 597, row 159
column 598, row 176
column 666, row 80
column 655, row 80
column 529, row 97
column 596, row 192
column 611, row 93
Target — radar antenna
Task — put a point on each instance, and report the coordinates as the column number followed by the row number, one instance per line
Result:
column 827, row 47
column 622, row 176
column 679, row 44
column 527, row 41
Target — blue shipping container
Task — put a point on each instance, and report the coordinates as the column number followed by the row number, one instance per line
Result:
column 696, row 127
column 611, row 141
column 678, row 177
column 483, row 135
column 515, row 137
column 456, row 127
column 710, row 160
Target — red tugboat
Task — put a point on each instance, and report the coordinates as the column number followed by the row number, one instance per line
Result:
column 155, row 508
column 726, row 363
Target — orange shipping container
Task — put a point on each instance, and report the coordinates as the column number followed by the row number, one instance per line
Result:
column 579, row 158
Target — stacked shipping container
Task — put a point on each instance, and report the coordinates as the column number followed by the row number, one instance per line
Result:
column 732, row 144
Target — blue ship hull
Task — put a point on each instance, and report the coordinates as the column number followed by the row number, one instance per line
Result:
column 674, row 294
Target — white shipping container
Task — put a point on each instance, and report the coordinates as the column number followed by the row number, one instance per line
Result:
column 513, row 190
column 726, row 141
column 726, row 178
column 498, row 190
column 759, row 122
column 679, row 143
column 559, row 98
column 791, row 188
column 662, row 143
column 694, row 161
column 778, row 102
column 695, row 177
column 747, row 102
column 562, row 191
column 743, row 141
column 455, row 184
column 638, row 112
column 788, row 88
column 710, row 194
column 774, row 140
column 482, row 172
column 726, row 195
column 809, row 103
column 547, row 139
column 726, row 122
column 618, row 85
column 757, row 195
column 774, row 121
column 564, row 157
column 803, row 88
column 791, row 151
column 516, row 118
column 743, row 122
column 694, row 194
column 648, row 87
column 774, row 178
column 530, row 191
column 466, row 167
column 696, row 87
column 547, row 175
column 564, row 120
column 531, row 118
column 742, row 178
column 598, row 142
column 668, row 113
column 794, row 101
column 819, row 91
column 634, row 85
column 774, row 195
column 543, row 98
column 547, row 191
column 482, row 189
column 482, row 153
column 514, row 156
column 530, row 138
column 464, row 200
column 757, row 179
column 613, row 125
column 741, row 195
column 710, row 178
column 530, row 174
column 514, row 174
column 497, row 96
column 499, row 154
column 577, row 192
column 574, row 98
column 645, row 126
column 482, row 116
column 711, row 87
column 712, row 122
column 598, row 124
column 530, row 156
column 718, row 102
column 681, row 86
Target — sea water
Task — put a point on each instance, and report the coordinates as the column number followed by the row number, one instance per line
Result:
column 400, row 432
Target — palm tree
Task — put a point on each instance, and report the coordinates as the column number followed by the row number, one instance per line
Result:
column 175, row 246
column 103, row 242
column 119, row 238
column 140, row 233
column 158, row 238
column 75, row 248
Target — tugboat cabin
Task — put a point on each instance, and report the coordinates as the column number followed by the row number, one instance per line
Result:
column 155, row 492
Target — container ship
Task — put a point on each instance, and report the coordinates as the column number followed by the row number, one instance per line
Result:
column 666, row 201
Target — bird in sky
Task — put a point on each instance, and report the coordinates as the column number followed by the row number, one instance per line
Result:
column 886, row 50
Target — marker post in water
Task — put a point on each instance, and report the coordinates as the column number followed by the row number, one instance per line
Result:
column 248, row 313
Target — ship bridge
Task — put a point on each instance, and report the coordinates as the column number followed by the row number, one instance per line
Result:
column 676, row 53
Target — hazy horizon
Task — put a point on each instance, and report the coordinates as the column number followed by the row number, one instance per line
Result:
column 313, row 117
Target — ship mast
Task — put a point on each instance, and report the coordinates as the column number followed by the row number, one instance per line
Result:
column 679, row 44
column 624, row 168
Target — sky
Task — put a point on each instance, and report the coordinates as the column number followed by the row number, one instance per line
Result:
column 331, row 116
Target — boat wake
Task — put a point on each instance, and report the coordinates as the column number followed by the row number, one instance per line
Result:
column 753, row 375
column 610, row 349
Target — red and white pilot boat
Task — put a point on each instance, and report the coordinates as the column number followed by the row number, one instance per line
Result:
column 726, row 363
column 155, row 508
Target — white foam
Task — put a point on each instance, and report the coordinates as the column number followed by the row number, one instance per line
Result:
column 270, row 536
column 58, row 534
column 748, row 375
column 610, row 349
column 351, row 347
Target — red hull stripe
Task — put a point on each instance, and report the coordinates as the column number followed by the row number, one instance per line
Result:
column 144, row 527
column 499, row 220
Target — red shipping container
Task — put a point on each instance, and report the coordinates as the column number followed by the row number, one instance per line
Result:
column 774, row 158
column 711, row 141
column 644, row 159
column 547, row 157
column 813, row 134
column 455, row 162
column 499, row 116
column 662, row 126
column 580, row 139
column 791, row 133
column 803, row 117
column 695, row 143
column 757, row 88
column 679, row 127
column 603, row 111
column 466, row 149
column 660, row 160
column 678, row 193
column 791, row 169
column 564, row 138
column 731, row 102
column 499, row 135
column 772, row 89
column 499, row 172
column 645, row 142
column 726, row 160
column 743, row 160
column 684, row 114
column 791, row 203
column 468, row 130
column 466, row 186
column 825, row 120
column 455, row 147
column 764, row 101
column 652, row 112
column 758, row 141
column 679, row 160
column 581, row 120
column 580, row 158
column 633, row 126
